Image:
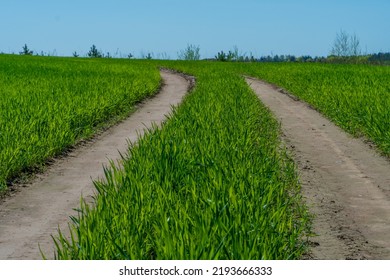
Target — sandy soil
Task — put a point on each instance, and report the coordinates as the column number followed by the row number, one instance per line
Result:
column 345, row 182
column 34, row 213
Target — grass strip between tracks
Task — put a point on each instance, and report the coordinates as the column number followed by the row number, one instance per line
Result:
column 213, row 183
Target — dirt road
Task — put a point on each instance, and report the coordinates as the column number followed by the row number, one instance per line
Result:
column 35, row 213
column 346, row 184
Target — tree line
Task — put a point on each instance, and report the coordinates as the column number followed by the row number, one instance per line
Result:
column 345, row 49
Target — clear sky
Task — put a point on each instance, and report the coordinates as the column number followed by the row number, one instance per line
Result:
column 263, row 27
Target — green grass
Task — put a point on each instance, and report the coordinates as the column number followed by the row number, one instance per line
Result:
column 355, row 97
column 48, row 104
column 213, row 183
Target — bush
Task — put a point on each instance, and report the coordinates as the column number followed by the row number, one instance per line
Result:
column 190, row 53
column 94, row 52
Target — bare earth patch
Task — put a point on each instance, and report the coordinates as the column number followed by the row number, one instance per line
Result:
column 345, row 183
column 31, row 216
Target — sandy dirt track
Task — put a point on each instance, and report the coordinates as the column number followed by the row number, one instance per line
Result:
column 346, row 183
column 31, row 216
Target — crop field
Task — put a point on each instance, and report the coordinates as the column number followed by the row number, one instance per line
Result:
column 48, row 104
column 355, row 97
column 214, row 182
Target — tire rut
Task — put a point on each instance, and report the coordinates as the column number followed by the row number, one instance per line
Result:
column 346, row 184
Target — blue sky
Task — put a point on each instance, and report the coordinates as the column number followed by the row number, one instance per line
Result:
column 263, row 27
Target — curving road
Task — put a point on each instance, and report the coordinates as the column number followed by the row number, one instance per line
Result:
column 28, row 219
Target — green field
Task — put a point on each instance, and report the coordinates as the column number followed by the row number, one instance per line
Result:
column 355, row 97
column 214, row 182
column 49, row 104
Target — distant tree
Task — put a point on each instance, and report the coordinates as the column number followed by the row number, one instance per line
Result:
column 341, row 44
column 379, row 58
column 191, row 52
column 345, row 45
column 291, row 58
column 94, row 52
column 234, row 55
column 221, row 56
column 146, row 56
column 130, row 55
column 26, row 50
column 305, row 58
column 230, row 56
column 75, row 54
column 250, row 58
column 267, row 58
column 354, row 45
